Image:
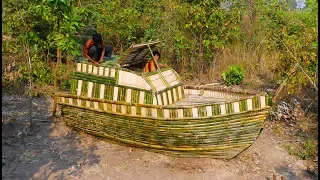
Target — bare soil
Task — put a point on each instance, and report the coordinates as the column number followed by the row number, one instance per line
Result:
column 55, row 151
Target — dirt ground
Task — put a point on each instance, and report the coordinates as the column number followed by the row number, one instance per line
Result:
column 55, row 151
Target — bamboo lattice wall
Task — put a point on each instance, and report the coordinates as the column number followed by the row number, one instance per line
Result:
column 120, row 84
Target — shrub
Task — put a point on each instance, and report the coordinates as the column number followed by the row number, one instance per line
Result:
column 66, row 84
column 309, row 150
column 234, row 75
column 41, row 73
column 306, row 150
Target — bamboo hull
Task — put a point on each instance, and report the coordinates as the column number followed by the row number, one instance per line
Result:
column 216, row 136
column 155, row 111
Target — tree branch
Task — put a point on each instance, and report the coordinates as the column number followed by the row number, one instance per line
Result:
column 314, row 85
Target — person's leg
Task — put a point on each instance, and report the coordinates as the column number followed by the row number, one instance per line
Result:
column 108, row 51
column 93, row 53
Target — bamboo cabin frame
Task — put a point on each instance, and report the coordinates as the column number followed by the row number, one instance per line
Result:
column 150, row 110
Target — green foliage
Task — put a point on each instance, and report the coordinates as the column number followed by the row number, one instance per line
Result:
column 234, row 75
column 41, row 73
column 66, row 84
column 193, row 32
column 292, row 33
column 290, row 149
column 200, row 30
column 123, row 23
column 306, row 150
column 309, row 149
column 41, row 27
column 47, row 24
column 66, row 20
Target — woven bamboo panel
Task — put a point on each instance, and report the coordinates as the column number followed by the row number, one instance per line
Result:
column 169, row 96
column 136, row 53
column 132, row 80
column 171, row 77
column 220, row 129
column 146, row 100
column 102, row 70
column 166, row 78
column 157, row 82
column 111, row 92
column 218, row 137
column 92, row 81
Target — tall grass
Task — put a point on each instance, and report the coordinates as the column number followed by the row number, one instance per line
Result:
column 258, row 67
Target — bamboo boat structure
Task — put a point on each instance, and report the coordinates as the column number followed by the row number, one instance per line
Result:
column 157, row 112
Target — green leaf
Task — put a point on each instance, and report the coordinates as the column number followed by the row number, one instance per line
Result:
column 314, row 45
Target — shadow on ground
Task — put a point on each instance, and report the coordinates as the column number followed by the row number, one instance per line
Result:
column 50, row 151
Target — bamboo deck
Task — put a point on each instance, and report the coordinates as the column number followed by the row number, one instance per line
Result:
column 191, row 100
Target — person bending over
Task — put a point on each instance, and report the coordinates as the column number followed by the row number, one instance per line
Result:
column 95, row 49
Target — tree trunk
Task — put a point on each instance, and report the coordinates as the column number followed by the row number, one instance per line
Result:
column 274, row 99
column 55, row 75
column 30, row 90
column 56, row 88
column 201, row 51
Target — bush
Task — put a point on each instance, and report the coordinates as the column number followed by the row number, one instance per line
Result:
column 41, row 73
column 309, row 149
column 66, row 84
column 234, row 75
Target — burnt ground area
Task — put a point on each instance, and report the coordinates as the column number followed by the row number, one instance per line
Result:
column 55, row 151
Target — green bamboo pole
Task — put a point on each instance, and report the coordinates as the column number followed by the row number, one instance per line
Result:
column 217, row 119
column 223, row 152
column 260, row 111
column 246, row 131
